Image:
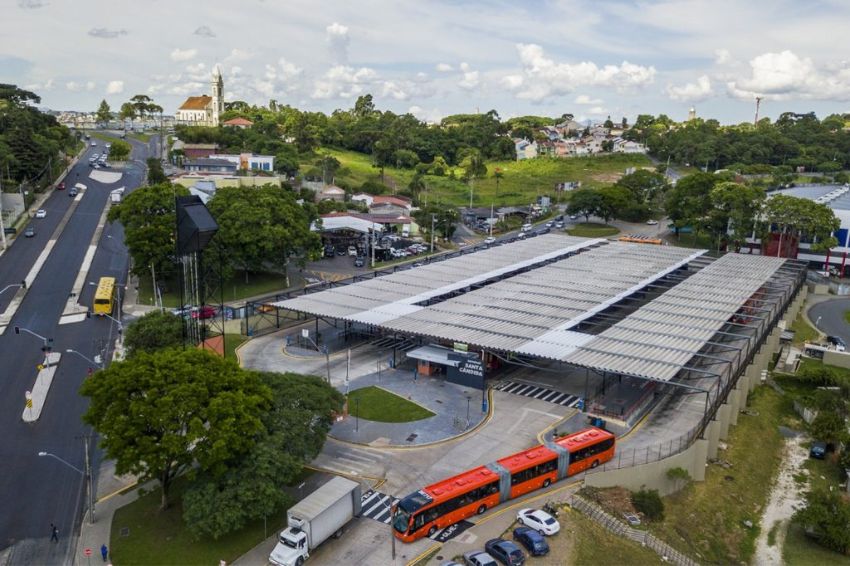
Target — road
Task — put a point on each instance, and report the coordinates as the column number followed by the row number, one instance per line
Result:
column 828, row 316
column 39, row 491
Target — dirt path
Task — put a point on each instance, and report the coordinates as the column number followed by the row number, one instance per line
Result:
column 785, row 496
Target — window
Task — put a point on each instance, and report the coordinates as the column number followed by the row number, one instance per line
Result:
column 534, row 471
column 592, row 450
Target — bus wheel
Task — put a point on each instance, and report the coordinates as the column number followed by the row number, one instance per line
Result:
column 481, row 509
column 594, row 464
column 546, row 482
column 432, row 530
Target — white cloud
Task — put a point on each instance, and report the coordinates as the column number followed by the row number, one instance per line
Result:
column 90, row 85
column 115, row 87
column 342, row 81
column 585, row 99
column 598, row 111
column 691, row 92
column 512, row 82
column 785, row 75
column 722, row 56
column 444, row 68
column 196, row 68
column 73, row 86
column 470, row 80
column 432, row 116
column 338, row 40
column 237, row 55
column 546, row 77
column 395, row 90
column 183, row 54
column 288, row 70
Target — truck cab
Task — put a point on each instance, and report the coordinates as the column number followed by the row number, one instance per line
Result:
column 291, row 548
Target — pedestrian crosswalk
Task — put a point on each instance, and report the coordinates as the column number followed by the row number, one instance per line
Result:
column 536, row 392
column 377, row 506
column 351, row 461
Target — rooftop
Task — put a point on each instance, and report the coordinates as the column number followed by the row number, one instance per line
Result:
column 196, row 103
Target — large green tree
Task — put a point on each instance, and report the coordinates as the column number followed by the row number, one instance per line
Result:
column 295, row 428
column 156, row 330
column 149, row 220
column 688, row 202
column 585, row 202
column 120, row 150
column 262, row 227
column 827, row 516
column 795, row 217
column 169, row 412
column 736, row 209
column 104, row 114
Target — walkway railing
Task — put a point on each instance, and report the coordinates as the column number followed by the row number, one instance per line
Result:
column 620, row 528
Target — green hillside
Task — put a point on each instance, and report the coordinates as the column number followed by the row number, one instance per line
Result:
column 521, row 182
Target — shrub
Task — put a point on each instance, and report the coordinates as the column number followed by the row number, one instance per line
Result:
column 648, row 502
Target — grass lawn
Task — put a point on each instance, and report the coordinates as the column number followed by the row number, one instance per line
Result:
column 234, row 289
column 141, row 137
column 803, row 331
column 376, row 404
column 161, row 538
column 592, row 230
column 522, row 181
column 593, row 544
column 843, row 373
column 847, row 317
column 705, row 520
column 231, row 342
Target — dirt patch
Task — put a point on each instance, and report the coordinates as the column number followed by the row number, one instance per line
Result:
column 785, row 496
column 615, row 500
column 607, row 177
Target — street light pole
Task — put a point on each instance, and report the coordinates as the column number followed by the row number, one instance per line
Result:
column 86, row 474
column 433, row 220
column 86, row 358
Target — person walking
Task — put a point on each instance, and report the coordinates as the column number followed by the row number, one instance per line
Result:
column 54, row 533
column 104, row 551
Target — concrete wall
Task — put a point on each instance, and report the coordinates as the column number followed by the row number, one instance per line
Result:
column 836, row 358
column 694, row 459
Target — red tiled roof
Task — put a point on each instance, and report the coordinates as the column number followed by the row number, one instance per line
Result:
column 239, row 122
column 196, row 103
column 389, row 199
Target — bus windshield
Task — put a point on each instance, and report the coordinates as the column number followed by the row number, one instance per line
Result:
column 401, row 520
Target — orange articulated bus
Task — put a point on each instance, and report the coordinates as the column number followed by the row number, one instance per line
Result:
column 473, row 492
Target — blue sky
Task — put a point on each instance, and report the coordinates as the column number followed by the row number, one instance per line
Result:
column 585, row 57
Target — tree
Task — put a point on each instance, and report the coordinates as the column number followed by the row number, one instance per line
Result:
column 608, row 123
column 446, row 218
column 797, row 216
column 163, row 413
column 141, row 102
column 120, row 150
column 294, row 431
column 149, row 220
column 261, row 227
column 736, row 208
column 679, row 476
column 127, row 112
column 103, row 112
column 829, row 426
column 827, row 516
column 585, row 202
column 648, row 502
column 156, row 330
column 688, row 201
column 155, row 173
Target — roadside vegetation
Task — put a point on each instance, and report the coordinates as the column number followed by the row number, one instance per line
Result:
column 377, row 404
column 803, row 330
column 593, row 230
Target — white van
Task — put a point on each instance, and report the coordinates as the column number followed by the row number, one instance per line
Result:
column 525, row 228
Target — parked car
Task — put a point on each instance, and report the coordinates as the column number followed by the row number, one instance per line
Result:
column 359, row 262
column 652, row 222
column 342, row 251
column 203, row 313
column 72, row 192
column 61, row 186
column 505, row 552
column 559, row 225
column 478, row 558
column 29, row 232
column 818, row 450
column 489, row 240
column 573, row 216
column 94, row 144
column 534, row 542
column 41, row 213
column 632, row 519
column 539, row 520
column 329, row 251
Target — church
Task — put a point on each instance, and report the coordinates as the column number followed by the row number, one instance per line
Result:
column 204, row 110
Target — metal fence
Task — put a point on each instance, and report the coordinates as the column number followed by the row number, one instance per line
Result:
column 620, row 528
column 637, row 456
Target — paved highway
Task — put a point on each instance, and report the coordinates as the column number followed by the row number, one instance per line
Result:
column 34, row 491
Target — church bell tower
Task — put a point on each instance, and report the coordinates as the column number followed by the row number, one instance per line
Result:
column 217, row 96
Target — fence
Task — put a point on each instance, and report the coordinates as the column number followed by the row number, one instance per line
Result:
column 638, row 456
column 618, row 527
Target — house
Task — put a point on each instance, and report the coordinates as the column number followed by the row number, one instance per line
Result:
column 331, row 192
column 568, row 127
column 198, row 150
column 361, row 222
column 204, row 110
column 390, row 205
column 248, row 161
column 209, row 165
column 525, row 149
column 551, row 133
column 364, row 198
column 626, row 146
column 241, row 123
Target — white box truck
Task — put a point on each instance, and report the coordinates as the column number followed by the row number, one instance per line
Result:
column 312, row 520
column 116, row 195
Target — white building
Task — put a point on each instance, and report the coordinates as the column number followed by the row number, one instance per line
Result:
column 248, row 161
column 204, row 110
column 525, row 149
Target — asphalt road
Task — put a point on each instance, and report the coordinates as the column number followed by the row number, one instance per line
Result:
column 829, row 316
column 36, row 491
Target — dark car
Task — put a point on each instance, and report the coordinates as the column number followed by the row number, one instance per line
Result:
column 505, row 552
column 533, row 541
column 29, row 232
column 342, row 251
column 329, row 251
column 359, row 261
column 818, row 450
column 838, row 342
column 72, row 193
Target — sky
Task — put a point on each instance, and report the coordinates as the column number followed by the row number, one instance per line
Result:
column 433, row 58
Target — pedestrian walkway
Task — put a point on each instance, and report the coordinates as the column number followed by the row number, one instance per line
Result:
column 541, row 393
column 377, row 506
column 348, row 460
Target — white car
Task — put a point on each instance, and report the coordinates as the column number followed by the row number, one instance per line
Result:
column 539, row 520
column 352, row 251
column 41, row 213
column 652, row 222
column 489, row 240
column 94, row 144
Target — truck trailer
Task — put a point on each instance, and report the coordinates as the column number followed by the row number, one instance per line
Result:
column 312, row 520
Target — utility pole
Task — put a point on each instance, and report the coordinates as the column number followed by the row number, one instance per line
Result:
column 433, row 220
column 373, row 245
column 758, row 103
column 86, row 439
column 2, row 226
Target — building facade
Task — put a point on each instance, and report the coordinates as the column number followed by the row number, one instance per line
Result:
column 204, row 110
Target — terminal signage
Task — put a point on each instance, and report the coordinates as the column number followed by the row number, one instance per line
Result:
column 469, row 370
